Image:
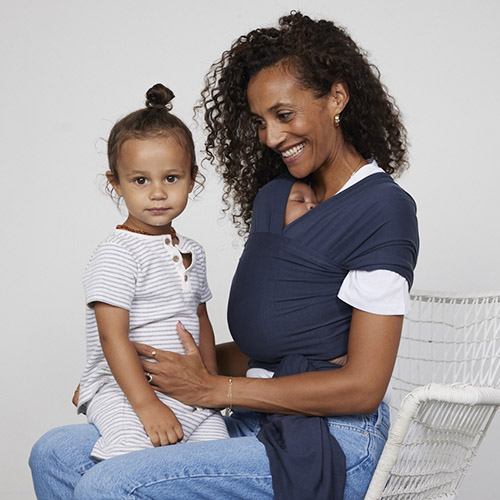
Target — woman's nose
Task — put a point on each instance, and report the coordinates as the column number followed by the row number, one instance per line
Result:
column 273, row 135
column 310, row 206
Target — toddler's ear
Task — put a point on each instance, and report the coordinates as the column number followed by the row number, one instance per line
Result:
column 194, row 173
column 113, row 180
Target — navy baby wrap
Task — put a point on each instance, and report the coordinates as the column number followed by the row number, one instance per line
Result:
column 284, row 312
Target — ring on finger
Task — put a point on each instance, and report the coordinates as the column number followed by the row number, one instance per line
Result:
column 153, row 353
column 149, row 377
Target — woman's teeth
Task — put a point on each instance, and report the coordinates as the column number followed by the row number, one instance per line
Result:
column 293, row 151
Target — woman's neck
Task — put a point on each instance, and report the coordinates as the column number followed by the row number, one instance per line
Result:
column 329, row 180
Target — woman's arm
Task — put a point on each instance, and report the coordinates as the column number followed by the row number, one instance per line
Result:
column 159, row 421
column 358, row 387
column 207, row 340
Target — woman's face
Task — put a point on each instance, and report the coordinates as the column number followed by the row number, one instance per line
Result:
column 293, row 122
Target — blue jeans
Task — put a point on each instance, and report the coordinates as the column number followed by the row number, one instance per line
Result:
column 235, row 468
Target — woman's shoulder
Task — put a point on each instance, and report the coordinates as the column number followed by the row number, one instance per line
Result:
column 380, row 193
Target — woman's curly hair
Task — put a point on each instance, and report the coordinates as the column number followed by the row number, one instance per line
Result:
column 319, row 53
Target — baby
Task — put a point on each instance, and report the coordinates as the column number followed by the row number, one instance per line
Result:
column 300, row 201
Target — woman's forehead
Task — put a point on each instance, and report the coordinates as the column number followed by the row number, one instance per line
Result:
column 273, row 87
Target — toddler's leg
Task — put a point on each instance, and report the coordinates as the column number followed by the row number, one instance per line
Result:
column 60, row 458
column 213, row 427
column 120, row 428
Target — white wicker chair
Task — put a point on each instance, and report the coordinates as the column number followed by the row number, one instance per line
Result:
column 448, row 378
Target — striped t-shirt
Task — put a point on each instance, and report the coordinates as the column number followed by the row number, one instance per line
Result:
column 146, row 276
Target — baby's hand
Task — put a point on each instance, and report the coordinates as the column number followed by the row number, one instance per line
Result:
column 160, row 424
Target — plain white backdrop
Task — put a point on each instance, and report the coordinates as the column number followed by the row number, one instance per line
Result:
column 71, row 69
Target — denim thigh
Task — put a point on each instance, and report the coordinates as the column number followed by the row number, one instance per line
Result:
column 361, row 437
column 230, row 468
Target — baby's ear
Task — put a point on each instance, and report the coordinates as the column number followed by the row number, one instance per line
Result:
column 113, row 180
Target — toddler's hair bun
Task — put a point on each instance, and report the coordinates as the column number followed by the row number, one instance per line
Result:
column 159, row 96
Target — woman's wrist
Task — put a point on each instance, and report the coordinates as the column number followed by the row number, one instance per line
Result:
column 219, row 393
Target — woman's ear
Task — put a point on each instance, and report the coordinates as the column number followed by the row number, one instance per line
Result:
column 338, row 97
column 113, row 180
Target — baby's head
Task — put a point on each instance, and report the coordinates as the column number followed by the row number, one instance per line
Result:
column 301, row 200
column 152, row 163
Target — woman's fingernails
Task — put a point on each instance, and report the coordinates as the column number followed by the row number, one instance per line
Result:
column 182, row 326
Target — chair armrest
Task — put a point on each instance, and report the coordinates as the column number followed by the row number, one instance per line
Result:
column 455, row 394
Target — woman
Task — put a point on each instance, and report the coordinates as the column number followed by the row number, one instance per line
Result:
column 296, row 102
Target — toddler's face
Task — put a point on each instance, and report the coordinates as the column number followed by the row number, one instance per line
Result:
column 301, row 200
column 154, row 179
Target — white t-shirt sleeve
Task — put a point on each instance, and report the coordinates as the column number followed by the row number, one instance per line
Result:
column 111, row 277
column 377, row 292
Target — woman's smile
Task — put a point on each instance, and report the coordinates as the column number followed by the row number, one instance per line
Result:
column 293, row 152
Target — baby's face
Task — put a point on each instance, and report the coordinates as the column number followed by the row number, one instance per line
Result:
column 301, row 200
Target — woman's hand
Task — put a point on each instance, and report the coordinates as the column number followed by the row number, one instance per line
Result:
column 180, row 376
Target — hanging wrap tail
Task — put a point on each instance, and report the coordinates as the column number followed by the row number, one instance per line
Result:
column 306, row 461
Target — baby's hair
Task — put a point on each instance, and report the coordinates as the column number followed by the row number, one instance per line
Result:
column 155, row 120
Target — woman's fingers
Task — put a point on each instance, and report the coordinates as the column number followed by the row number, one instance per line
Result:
column 181, row 376
column 152, row 353
column 187, row 339
column 148, row 351
column 162, row 363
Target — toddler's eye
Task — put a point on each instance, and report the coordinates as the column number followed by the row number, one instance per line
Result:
column 140, row 180
column 171, row 178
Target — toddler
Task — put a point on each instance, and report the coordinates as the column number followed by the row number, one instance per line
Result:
column 140, row 282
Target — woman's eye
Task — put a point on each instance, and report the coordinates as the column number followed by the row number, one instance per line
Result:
column 140, row 180
column 260, row 124
column 171, row 178
column 284, row 115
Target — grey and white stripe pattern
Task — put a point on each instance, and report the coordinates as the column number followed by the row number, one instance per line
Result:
column 122, row 431
column 146, row 276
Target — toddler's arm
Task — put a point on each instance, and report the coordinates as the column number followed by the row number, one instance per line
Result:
column 207, row 340
column 159, row 421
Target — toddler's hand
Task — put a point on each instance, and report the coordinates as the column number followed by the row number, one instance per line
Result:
column 76, row 395
column 161, row 424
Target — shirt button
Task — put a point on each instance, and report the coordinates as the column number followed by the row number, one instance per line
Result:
column 176, row 258
column 167, row 241
column 185, row 277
